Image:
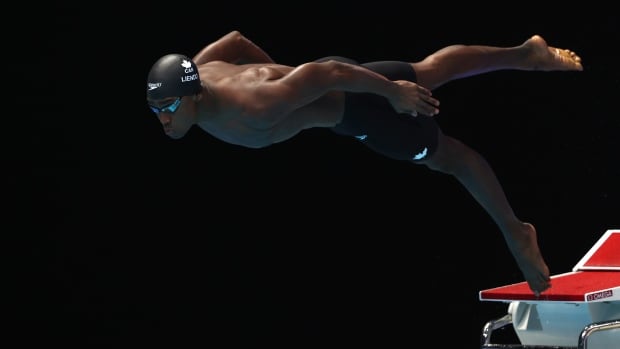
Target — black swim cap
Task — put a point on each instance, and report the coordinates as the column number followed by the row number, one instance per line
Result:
column 173, row 75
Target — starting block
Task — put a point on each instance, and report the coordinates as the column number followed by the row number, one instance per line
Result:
column 580, row 310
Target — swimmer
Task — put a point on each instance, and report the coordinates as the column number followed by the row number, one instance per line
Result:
column 233, row 90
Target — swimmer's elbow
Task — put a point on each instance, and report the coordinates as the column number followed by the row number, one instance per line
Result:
column 235, row 36
column 326, row 68
column 324, row 76
column 337, row 75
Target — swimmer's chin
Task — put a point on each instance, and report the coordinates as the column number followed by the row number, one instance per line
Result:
column 174, row 135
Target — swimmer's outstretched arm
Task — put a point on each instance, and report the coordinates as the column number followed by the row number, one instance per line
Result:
column 310, row 81
column 232, row 48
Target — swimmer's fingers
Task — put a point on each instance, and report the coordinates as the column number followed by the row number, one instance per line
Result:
column 424, row 109
column 415, row 99
column 428, row 106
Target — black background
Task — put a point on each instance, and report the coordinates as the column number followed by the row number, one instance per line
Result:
column 129, row 236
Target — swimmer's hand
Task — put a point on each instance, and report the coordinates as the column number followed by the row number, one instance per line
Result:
column 414, row 99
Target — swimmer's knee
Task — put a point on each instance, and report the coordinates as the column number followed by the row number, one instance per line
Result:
column 439, row 160
column 452, row 156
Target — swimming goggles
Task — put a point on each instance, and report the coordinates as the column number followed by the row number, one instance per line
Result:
column 170, row 108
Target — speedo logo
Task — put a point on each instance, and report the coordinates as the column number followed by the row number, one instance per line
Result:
column 153, row 85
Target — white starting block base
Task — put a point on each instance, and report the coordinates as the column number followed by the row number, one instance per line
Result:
column 561, row 324
column 581, row 310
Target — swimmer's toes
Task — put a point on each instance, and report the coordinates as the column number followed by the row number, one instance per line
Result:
column 568, row 58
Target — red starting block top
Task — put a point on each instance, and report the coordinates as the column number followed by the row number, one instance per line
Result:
column 579, row 286
column 595, row 278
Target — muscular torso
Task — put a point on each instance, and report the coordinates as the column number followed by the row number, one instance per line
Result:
column 234, row 88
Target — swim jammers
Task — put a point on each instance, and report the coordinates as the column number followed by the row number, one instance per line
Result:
column 372, row 119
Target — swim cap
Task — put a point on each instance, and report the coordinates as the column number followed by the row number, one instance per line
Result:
column 173, row 75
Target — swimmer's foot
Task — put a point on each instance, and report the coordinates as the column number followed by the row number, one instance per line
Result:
column 524, row 247
column 547, row 58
